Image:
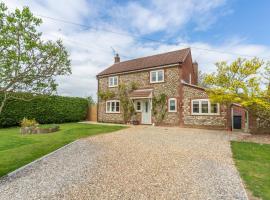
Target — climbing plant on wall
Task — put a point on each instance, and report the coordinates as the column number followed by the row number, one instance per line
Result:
column 126, row 103
column 159, row 107
column 106, row 95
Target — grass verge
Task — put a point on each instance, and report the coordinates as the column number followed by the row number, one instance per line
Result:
column 253, row 163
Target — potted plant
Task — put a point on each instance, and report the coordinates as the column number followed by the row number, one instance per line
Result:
column 134, row 119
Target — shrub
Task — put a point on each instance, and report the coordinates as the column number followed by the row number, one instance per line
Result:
column 28, row 122
column 45, row 109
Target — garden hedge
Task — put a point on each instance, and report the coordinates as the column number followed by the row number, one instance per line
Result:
column 45, row 109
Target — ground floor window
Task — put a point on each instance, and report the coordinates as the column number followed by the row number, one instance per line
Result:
column 204, row 107
column 113, row 106
column 172, row 105
column 138, row 106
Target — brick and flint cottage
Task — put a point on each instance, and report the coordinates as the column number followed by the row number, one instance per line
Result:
column 175, row 75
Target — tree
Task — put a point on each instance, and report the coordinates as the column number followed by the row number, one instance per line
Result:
column 266, row 76
column 27, row 63
column 201, row 77
column 242, row 82
column 90, row 100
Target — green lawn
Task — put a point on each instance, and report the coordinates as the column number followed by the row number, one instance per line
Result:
column 17, row 150
column 253, row 163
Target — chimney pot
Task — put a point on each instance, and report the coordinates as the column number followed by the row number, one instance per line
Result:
column 116, row 58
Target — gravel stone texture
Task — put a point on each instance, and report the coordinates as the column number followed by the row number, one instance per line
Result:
column 142, row 162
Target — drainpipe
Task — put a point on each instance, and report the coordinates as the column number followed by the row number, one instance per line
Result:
column 232, row 117
column 97, row 97
column 247, row 124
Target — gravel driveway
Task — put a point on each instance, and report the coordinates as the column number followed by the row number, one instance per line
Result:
column 143, row 162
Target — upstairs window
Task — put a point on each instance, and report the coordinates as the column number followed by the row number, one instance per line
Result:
column 113, row 106
column 113, row 81
column 172, row 105
column 157, row 76
column 204, row 107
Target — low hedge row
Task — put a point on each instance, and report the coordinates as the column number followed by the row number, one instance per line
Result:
column 45, row 109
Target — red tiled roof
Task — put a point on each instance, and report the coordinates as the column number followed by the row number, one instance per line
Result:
column 172, row 57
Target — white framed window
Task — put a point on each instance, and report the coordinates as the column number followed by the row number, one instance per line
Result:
column 157, row 76
column 113, row 81
column 113, row 106
column 172, row 105
column 204, row 107
column 138, row 106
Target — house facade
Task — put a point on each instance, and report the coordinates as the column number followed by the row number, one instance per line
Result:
column 175, row 75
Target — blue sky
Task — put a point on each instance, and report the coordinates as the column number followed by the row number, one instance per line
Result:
column 247, row 20
column 216, row 30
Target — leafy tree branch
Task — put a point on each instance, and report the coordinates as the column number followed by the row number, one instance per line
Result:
column 27, row 63
column 245, row 82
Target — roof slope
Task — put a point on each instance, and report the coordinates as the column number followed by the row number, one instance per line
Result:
column 147, row 62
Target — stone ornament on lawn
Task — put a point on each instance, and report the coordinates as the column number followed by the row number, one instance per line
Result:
column 30, row 126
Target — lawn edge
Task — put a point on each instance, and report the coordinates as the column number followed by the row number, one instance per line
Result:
column 247, row 191
column 56, row 150
column 34, row 161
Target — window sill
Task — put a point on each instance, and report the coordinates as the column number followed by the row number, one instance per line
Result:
column 205, row 114
column 113, row 86
column 112, row 112
column 157, row 82
column 172, row 111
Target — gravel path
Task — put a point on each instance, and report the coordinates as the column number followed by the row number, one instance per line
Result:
column 136, row 163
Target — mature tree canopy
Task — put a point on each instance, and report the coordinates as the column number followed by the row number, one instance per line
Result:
column 243, row 81
column 28, row 63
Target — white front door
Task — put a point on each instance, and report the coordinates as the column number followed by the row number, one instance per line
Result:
column 146, row 111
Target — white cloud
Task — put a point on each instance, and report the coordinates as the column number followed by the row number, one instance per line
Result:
column 159, row 15
column 90, row 49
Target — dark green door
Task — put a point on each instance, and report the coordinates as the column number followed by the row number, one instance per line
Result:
column 237, row 121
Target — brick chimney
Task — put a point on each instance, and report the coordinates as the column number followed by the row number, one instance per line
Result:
column 195, row 67
column 116, row 58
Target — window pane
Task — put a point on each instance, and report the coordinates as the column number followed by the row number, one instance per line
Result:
column 110, row 81
column 153, row 77
column 117, row 106
column 195, row 106
column 146, row 106
column 138, row 105
column 113, row 106
column 115, row 81
column 214, row 108
column 172, row 105
column 160, row 75
column 204, row 106
column 108, row 107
